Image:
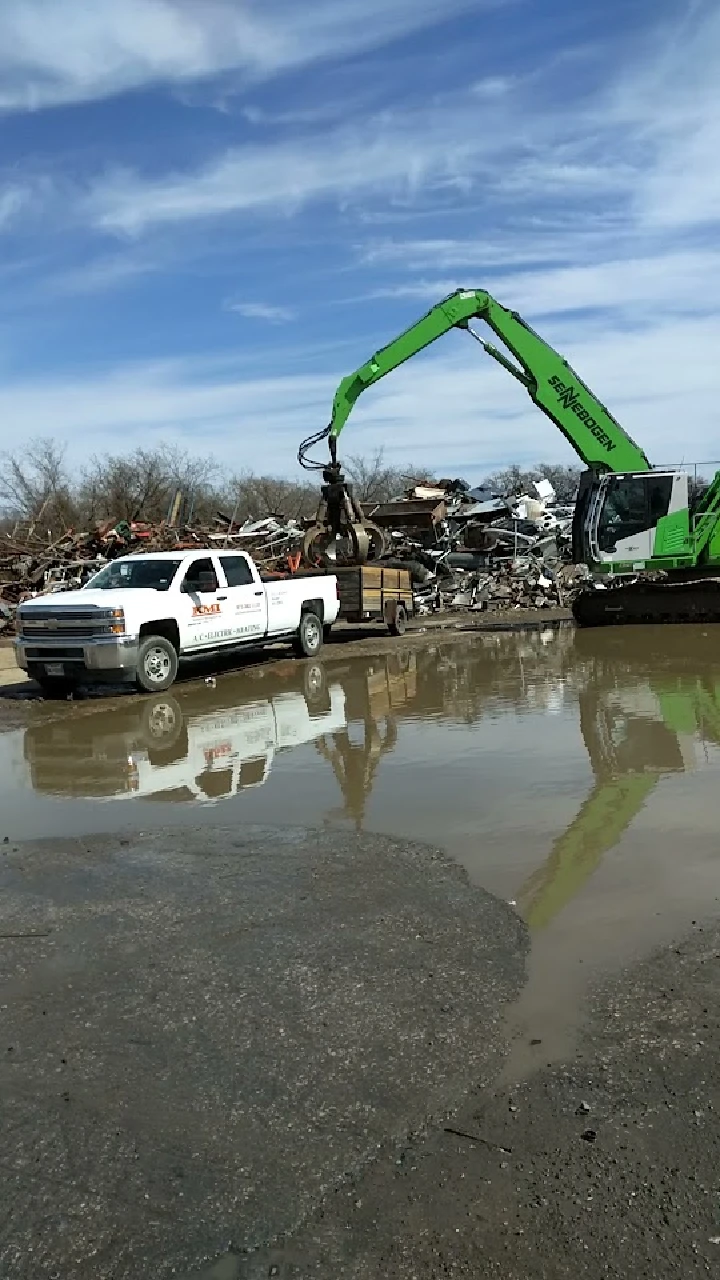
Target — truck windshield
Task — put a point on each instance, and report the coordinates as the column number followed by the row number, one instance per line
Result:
column 154, row 575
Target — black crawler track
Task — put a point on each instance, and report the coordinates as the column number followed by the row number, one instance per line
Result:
column 693, row 600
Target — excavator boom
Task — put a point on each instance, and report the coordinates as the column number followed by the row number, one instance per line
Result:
column 551, row 383
column 629, row 518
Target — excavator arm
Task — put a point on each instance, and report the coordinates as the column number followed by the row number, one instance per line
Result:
column 551, row 383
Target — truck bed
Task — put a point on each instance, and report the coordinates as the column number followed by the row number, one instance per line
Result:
column 367, row 592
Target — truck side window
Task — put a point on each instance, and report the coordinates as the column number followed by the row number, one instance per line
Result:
column 237, row 571
column 201, row 576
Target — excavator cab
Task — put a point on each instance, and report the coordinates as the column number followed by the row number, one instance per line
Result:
column 631, row 519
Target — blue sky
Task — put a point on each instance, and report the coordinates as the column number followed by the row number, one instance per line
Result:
column 211, row 210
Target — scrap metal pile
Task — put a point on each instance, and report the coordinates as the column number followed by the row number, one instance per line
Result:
column 474, row 549
column 465, row 548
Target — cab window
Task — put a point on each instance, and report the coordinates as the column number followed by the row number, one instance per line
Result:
column 237, row 571
column 633, row 504
column 200, row 577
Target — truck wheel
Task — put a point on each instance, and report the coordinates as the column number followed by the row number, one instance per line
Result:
column 157, row 664
column 309, row 638
column 399, row 622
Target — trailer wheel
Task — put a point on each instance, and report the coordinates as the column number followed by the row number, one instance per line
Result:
column 157, row 664
column 397, row 625
column 309, row 638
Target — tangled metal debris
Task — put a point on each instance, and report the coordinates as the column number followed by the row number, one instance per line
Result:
column 466, row 549
column 478, row 550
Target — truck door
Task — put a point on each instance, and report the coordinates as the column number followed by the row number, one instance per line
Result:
column 246, row 599
column 202, row 606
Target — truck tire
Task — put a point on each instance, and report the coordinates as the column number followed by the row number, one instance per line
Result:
column 399, row 623
column 157, row 664
column 309, row 638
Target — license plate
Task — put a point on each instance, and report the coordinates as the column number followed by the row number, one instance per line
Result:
column 54, row 669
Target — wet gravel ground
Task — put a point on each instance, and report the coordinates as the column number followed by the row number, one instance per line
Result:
column 231, row 1055
column 607, row 1167
column 204, row 1032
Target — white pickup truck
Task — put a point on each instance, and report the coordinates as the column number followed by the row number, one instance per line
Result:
column 141, row 615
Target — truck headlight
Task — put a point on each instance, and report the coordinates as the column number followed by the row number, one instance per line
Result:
column 117, row 622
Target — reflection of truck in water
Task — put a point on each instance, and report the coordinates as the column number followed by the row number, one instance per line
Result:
column 193, row 748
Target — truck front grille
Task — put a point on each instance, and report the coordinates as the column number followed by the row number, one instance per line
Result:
column 71, row 624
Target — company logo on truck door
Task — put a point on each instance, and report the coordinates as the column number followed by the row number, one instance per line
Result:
column 568, row 396
column 201, row 610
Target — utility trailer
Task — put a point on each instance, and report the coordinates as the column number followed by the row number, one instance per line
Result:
column 370, row 592
column 367, row 593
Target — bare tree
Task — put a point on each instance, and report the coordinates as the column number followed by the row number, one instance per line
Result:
column 374, row 481
column 253, row 497
column 143, row 484
column 34, row 485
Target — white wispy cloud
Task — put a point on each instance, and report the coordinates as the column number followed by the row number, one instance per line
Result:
column 12, row 202
column 453, row 409
column 21, row 200
column 671, row 106
column 529, row 244
column 649, row 156
column 262, row 311
column 662, row 283
column 61, row 51
column 406, row 154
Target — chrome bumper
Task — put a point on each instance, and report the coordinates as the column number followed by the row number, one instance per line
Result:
column 117, row 653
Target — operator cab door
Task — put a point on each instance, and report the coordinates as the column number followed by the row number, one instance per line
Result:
column 627, row 515
column 246, row 599
column 202, row 607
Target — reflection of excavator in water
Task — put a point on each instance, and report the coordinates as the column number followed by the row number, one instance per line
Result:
column 629, row 518
column 638, row 723
column 355, row 751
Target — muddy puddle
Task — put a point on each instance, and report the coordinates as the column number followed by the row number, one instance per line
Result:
column 575, row 774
